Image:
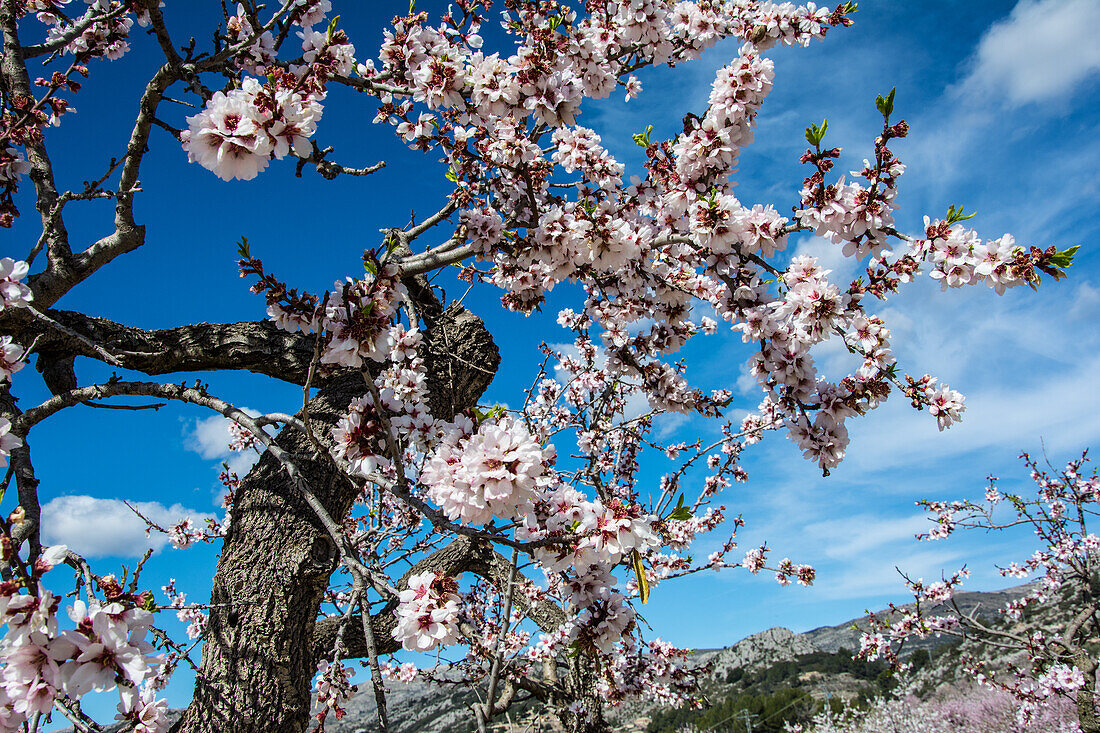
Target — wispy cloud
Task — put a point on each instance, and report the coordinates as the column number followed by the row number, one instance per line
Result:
column 853, row 537
column 97, row 527
column 1040, row 53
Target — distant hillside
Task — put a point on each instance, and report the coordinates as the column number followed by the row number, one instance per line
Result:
column 757, row 672
column 832, row 638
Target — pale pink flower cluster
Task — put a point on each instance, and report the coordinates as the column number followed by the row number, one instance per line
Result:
column 13, row 294
column 754, row 560
column 601, row 625
column 803, row 574
column 109, row 39
column 318, row 46
column 12, row 164
column 333, row 688
column 11, row 358
column 605, row 534
column 498, row 470
column 8, row 441
column 307, row 13
column 262, row 50
column 358, row 318
column 195, row 618
column 850, row 218
column 40, row 663
column 404, row 673
column 427, row 613
column 724, row 226
column 184, row 533
column 238, row 133
column 143, row 710
column 1060, row 679
column 655, row 671
column 959, row 257
column 810, row 311
column 358, row 437
column 240, row 437
column 944, row 403
column 707, row 153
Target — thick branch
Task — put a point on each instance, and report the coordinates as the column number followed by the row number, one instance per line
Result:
column 258, row 347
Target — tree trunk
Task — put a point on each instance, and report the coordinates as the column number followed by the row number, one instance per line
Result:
column 257, row 660
column 581, row 687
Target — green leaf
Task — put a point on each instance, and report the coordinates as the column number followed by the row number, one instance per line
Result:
column 642, row 138
column 242, row 249
column 412, row 6
column 332, row 27
column 370, row 267
column 1064, row 259
column 639, row 573
column 955, row 215
column 815, row 134
column 681, row 512
column 451, row 176
column 885, row 104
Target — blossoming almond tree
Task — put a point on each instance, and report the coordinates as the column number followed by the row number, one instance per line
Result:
column 390, row 511
column 1051, row 656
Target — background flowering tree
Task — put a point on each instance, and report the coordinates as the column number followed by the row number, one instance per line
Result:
column 1053, row 655
column 390, row 510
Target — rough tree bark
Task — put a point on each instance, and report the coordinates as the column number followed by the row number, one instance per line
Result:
column 258, row 656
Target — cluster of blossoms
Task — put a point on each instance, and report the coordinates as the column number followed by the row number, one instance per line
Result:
column 107, row 36
column 428, row 612
column 13, row 294
column 498, row 470
column 12, row 166
column 11, row 358
column 655, row 671
column 184, row 533
column 188, row 614
column 333, row 688
column 239, row 132
column 105, row 650
column 358, row 317
column 1055, row 665
column 944, row 403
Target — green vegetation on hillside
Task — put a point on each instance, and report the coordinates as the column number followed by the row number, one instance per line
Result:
column 767, row 712
column 779, row 694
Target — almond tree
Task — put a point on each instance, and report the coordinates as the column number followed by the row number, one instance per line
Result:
column 390, row 510
column 1046, row 638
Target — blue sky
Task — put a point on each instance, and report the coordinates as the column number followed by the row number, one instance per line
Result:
column 1001, row 102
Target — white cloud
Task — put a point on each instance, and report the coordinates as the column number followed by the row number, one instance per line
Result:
column 877, row 575
column 1063, row 411
column 107, row 527
column 210, row 438
column 853, row 536
column 1039, row 53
